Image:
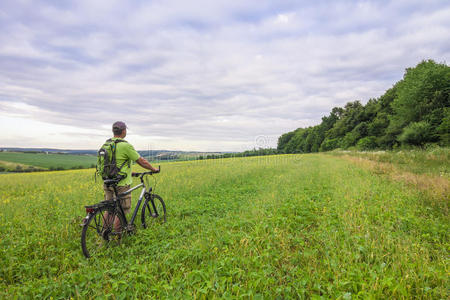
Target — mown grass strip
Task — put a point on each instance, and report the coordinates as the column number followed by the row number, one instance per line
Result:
column 435, row 189
column 433, row 161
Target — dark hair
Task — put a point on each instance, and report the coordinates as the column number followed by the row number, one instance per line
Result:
column 117, row 131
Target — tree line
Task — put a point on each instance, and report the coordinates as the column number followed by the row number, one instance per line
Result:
column 414, row 112
column 247, row 153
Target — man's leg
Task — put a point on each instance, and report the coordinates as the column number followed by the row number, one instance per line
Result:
column 109, row 195
column 125, row 202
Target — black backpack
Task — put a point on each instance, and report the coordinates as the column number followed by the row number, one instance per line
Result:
column 106, row 160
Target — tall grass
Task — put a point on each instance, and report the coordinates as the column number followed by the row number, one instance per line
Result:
column 434, row 161
column 289, row 226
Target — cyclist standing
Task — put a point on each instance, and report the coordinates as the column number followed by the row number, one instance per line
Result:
column 125, row 155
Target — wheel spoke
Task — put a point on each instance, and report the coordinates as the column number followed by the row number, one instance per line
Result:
column 99, row 231
column 95, row 227
column 153, row 211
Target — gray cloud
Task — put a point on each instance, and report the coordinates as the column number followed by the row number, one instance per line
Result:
column 212, row 75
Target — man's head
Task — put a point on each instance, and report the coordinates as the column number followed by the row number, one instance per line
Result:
column 119, row 129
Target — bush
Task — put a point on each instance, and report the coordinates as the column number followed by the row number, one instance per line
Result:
column 367, row 143
column 349, row 139
column 329, row 144
column 416, row 133
column 444, row 129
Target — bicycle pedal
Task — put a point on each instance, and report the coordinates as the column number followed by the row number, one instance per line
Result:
column 105, row 234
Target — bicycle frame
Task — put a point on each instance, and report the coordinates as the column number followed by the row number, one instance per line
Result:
column 138, row 204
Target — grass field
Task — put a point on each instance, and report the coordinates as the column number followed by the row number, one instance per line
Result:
column 45, row 161
column 419, row 161
column 287, row 226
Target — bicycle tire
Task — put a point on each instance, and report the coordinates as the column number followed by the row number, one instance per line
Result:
column 148, row 210
column 96, row 234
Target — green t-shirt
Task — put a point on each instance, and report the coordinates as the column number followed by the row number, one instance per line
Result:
column 125, row 152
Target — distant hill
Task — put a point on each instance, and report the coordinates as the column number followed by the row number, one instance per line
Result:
column 48, row 150
column 146, row 153
column 31, row 161
column 42, row 159
column 151, row 155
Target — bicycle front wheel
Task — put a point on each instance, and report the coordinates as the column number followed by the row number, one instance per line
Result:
column 104, row 228
column 153, row 211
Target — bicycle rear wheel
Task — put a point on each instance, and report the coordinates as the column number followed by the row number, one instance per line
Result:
column 99, row 231
column 153, row 211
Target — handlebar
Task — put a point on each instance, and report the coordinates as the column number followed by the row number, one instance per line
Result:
column 142, row 174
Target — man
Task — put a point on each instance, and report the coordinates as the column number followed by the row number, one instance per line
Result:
column 125, row 155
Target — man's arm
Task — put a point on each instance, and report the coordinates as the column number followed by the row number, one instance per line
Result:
column 145, row 164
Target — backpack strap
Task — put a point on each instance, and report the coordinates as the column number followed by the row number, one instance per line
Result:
column 116, row 141
column 120, row 168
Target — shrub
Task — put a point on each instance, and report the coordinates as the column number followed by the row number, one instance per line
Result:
column 350, row 139
column 329, row 144
column 367, row 143
column 416, row 133
column 444, row 129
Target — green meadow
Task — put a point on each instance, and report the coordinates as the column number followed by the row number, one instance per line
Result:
column 10, row 161
column 433, row 161
column 286, row 226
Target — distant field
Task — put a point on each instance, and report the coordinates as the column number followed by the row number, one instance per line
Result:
column 289, row 227
column 46, row 161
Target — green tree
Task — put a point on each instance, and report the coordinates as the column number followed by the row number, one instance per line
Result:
column 284, row 139
column 352, row 114
column 420, row 101
column 422, row 96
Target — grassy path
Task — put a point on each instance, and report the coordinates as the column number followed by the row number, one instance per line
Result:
column 294, row 226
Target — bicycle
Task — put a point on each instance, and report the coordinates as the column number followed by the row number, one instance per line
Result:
column 100, row 225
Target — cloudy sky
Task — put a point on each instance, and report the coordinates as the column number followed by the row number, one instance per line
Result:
column 200, row 75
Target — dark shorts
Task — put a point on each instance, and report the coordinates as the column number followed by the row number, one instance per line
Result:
column 126, row 200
